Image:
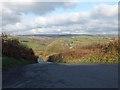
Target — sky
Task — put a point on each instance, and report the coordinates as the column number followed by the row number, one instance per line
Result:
column 23, row 18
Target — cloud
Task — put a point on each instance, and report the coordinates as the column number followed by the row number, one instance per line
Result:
column 9, row 16
column 12, row 11
column 101, row 19
column 62, row 19
column 107, row 10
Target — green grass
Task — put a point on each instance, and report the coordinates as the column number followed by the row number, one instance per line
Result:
column 93, row 59
column 86, row 40
column 9, row 62
column 35, row 46
column 107, row 53
column 62, row 44
column 56, row 46
column 112, row 59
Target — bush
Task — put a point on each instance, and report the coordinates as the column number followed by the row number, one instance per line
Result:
column 111, row 47
column 66, row 56
column 106, row 53
column 14, row 48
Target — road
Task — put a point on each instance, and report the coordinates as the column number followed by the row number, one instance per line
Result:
column 52, row 75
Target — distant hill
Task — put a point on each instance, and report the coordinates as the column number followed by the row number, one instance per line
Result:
column 69, row 35
column 57, row 35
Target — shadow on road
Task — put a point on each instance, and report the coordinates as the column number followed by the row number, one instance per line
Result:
column 53, row 75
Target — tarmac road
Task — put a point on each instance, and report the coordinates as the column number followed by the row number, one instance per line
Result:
column 53, row 75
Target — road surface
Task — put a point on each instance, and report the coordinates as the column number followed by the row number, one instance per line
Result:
column 52, row 75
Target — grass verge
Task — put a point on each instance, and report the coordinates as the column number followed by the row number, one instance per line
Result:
column 9, row 62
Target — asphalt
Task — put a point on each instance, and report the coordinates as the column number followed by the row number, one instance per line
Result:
column 52, row 75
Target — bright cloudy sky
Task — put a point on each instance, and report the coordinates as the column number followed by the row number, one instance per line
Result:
column 59, row 17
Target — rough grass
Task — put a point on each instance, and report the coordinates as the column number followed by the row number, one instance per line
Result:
column 35, row 46
column 9, row 62
column 45, row 44
column 55, row 47
column 75, row 49
column 105, row 53
column 14, row 53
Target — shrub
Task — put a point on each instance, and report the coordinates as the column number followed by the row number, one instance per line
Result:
column 14, row 48
column 66, row 56
column 111, row 47
column 106, row 53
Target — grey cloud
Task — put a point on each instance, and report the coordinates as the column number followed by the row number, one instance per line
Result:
column 37, row 7
column 91, row 22
column 62, row 19
column 12, row 11
column 100, row 14
column 10, row 18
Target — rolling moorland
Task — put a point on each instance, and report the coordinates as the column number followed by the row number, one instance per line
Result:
column 19, row 50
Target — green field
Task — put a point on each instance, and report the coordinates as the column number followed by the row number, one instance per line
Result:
column 9, row 62
column 42, row 43
column 44, row 46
